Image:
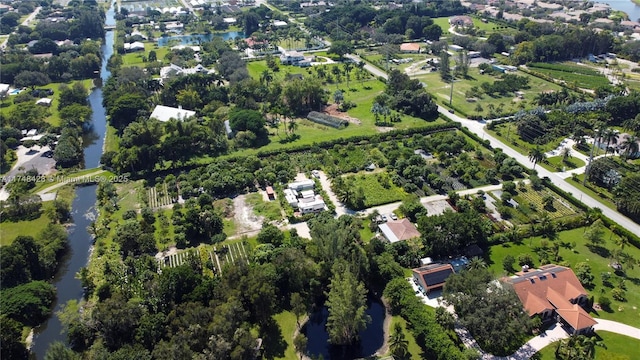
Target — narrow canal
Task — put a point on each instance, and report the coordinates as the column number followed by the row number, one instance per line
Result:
column 82, row 210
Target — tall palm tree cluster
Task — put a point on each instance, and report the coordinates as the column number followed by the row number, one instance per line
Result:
column 578, row 347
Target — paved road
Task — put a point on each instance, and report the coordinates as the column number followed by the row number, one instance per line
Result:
column 478, row 129
column 26, row 22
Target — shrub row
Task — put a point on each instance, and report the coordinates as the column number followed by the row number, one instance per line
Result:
column 566, row 68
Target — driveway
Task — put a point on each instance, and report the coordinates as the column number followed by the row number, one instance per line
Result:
column 326, row 186
column 29, row 159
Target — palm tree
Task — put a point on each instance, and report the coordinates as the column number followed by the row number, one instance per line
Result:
column 398, row 345
column 630, row 146
column 566, row 155
column 479, row 109
column 376, row 110
column 293, row 126
column 476, row 263
column 608, row 135
column 347, row 70
column 536, row 155
column 266, row 77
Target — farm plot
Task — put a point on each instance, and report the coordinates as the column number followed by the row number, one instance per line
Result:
column 159, row 196
column 535, row 201
column 216, row 257
column 378, row 189
column 581, row 76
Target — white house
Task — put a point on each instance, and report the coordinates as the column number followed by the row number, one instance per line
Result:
column 134, row 46
column 44, row 102
column 311, row 205
column 302, row 185
column 165, row 113
column 291, row 58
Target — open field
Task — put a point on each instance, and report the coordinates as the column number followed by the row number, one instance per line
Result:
column 579, row 75
column 270, row 210
column 488, row 27
column 441, row 91
column 603, row 195
column 508, row 133
column 618, row 347
column 378, row 189
column 573, row 249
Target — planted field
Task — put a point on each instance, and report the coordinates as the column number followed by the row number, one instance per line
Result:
column 580, row 76
column 378, row 189
column 213, row 257
column 535, row 201
column 159, row 196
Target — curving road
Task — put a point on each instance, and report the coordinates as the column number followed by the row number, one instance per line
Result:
column 478, row 129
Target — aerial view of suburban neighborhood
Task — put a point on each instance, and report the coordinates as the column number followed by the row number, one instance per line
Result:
column 320, row 179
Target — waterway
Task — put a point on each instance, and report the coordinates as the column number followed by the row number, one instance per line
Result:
column 83, row 212
column 196, row 39
column 371, row 338
column 627, row 6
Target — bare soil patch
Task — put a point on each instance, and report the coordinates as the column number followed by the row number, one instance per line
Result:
column 334, row 111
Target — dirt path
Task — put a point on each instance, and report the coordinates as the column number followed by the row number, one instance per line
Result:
column 246, row 221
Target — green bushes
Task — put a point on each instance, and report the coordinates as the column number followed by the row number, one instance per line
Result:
column 29, row 303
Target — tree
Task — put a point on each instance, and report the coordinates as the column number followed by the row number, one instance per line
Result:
column 125, row 110
column 152, row 56
column 189, row 98
column 507, row 263
column 338, row 97
column 536, row 155
column 566, row 155
column 432, row 32
column 58, row 351
column 298, row 306
column 347, row 304
column 462, row 63
column 31, row 79
column 445, row 66
column 340, row 48
column 300, row 343
column 595, row 233
column 398, row 344
column 270, row 235
column 631, row 146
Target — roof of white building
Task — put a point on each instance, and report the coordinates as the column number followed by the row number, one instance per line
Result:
column 164, row 113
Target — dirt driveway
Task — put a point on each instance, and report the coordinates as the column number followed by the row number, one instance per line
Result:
column 244, row 217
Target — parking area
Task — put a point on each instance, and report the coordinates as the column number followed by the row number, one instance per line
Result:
column 436, row 207
column 431, row 299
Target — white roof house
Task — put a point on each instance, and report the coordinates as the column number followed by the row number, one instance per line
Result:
column 302, row 185
column 229, row 20
column 4, row 88
column 164, row 113
column 399, row 230
column 291, row 197
column 44, row 102
column 134, row 46
column 279, row 23
column 311, row 205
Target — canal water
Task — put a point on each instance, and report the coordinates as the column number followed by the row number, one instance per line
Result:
column 371, row 338
column 83, row 212
column 627, row 6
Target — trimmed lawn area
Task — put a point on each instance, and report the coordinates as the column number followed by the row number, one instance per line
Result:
column 508, row 133
column 618, row 347
column 555, row 163
column 413, row 347
column 510, row 105
column 53, row 118
column 489, row 27
column 10, row 230
column 135, row 58
column 572, row 250
column 378, row 189
column 286, row 322
column 112, row 140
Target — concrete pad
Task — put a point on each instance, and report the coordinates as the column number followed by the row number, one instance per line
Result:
column 436, row 207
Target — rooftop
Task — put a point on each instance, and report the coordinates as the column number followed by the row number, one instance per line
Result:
column 165, row 113
column 399, row 230
column 433, row 275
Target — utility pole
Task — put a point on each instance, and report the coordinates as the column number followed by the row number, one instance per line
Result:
column 451, row 94
column 586, row 170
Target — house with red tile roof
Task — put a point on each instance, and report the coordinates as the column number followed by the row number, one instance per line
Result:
column 554, row 291
column 399, row 230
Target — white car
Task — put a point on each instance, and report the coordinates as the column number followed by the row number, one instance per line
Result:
column 393, row 216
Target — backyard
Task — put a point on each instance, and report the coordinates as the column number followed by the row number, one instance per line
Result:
column 573, row 249
column 617, row 347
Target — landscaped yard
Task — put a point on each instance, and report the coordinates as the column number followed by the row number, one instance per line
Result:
column 618, row 347
column 441, row 91
column 555, row 163
column 378, row 189
column 135, row 58
column 572, row 250
column 507, row 132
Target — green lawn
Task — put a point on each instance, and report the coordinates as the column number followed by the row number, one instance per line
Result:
column 270, row 210
column 601, row 194
column 53, row 117
column 10, row 230
column 413, row 347
column 442, row 91
column 555, row 163
column 573, row 250
column 618, row 347
column 135, row 58
column 112, row 140
column 378, row 189
column 508, row 134
column 286, row 322
column 582, row 76
column 489, row 27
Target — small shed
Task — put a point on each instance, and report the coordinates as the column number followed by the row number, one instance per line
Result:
column 44, row 102
column 270, row 193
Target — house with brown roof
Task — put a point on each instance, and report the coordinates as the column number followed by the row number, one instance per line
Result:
column 462, row 20
column 410, row 48
column 432, row 276
column 398, row 230
column 554, row 292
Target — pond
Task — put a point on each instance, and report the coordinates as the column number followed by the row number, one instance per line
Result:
column 371, row 339
column 197, row 38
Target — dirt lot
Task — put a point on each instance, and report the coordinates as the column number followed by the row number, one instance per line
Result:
column 245, row 219
column 436, row 207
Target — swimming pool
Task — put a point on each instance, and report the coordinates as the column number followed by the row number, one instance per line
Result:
column 15, row 92
column 459, row 263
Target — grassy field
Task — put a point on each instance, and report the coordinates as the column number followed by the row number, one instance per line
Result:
column 377, row 189
column 508, row 134
column 135, row 58
column 618, row 347
column 573, row 249
column 10, row 230
column 286, row 322
column 601, row 194
column 270, row 210
column 53, row 117
column 413, row 347
column 555, row 163
column 488, row 27
column 579, row 75
column 441, row 92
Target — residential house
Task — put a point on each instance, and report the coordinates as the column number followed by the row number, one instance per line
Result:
column 553, row 292
column 4, row 89
column 433, row 276
column 165, row 113
column 134, row 46
column 312, row 204
column 44, row 102
column 398, row 230
column 630, row 25
column 462, row 20
column 291, row 58
column 412, row 48
column 302, row 185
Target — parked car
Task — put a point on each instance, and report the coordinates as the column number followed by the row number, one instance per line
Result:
column 384, row 218
column 315, row 174
column 393, row 216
